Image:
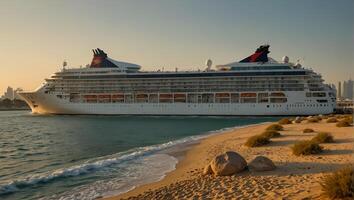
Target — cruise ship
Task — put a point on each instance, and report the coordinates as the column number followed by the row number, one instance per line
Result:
column 255, row 86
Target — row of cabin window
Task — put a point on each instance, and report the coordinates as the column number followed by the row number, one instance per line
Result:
column 210, row 100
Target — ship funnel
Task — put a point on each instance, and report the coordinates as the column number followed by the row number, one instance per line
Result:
column 261, row 55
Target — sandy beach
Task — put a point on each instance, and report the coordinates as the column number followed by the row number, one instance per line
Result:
column 296, row 177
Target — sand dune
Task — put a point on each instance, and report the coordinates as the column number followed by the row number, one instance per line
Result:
column 295, row 177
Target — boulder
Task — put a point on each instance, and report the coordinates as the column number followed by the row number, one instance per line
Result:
column 207, row 170
column 228, row 163
column 297, row 120
column 261, row 163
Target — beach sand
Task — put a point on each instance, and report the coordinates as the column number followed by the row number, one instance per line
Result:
column 294, row 178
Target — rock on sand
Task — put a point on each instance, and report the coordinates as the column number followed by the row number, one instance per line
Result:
column 261, row 163
column 207, row 170
column 228, row 163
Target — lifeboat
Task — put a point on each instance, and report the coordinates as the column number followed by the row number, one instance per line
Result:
column 117, row 96
column 91, row 96
column 248, row 94
column 277, row 94
column 222, row 95
column 104, row 96
column 165, row 96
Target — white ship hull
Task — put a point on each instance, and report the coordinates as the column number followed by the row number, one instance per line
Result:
column 297, row 105
column 254, row 86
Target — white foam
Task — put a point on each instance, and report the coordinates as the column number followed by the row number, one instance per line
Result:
column 150, row 169
column 154, row 169
column 103, row 162
column 90, row 166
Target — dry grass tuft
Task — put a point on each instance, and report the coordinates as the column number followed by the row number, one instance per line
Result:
column 339, row 116
column 308, row 130
column 348, row 119
column 284, row 121
column 306, row 147
column 343, row 123
column 323, row 137
column 275, row 127
column 319, row 117
column 271, row 134
column 313, row 120
column 325, row 117
column 332, row 120
column 339, row 184
column 257, row 140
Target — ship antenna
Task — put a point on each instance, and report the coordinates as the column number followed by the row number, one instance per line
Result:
column 64, row 64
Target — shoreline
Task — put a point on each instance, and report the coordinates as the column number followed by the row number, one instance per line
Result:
column 291, row 176
column 180, row 152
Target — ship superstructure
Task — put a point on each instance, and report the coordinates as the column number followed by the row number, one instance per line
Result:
column 256, row 85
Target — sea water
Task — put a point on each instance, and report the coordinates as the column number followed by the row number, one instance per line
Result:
column 86, row 157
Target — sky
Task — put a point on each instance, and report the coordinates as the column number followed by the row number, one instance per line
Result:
column 36, row 36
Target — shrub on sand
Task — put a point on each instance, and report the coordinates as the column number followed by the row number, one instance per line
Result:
column 313, row 120
column 323, row 137
column 318, row 117
column 332, row 120
column 339, row 184
column 306, row 147
column 271, row 133
column 275, row 127
column 308, row 130
column 348, row 119
column 284, row 121
column 339, row 116
column 325, row 117
column 257, row 140
column 343, row 123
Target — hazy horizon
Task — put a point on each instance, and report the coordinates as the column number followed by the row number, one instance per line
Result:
column 37, row 36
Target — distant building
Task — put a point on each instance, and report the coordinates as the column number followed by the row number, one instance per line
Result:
column 339, row 90
column 345, row 90
column 345, row 106
column 348, row 89
column 9, row 94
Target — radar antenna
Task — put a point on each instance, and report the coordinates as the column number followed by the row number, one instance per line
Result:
column 64, row 64
column 208, row 63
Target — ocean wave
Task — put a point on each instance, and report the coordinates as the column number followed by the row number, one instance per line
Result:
column 102, row 162
column 90, row 166
column 149, row 169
